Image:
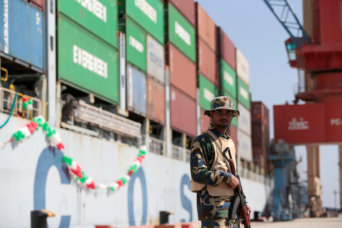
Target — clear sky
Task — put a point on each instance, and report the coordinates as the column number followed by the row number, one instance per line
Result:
column 257, row 33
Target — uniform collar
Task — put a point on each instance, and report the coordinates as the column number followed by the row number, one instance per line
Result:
column 218, row 133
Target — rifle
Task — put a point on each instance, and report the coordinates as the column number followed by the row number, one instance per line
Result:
column 239, row 203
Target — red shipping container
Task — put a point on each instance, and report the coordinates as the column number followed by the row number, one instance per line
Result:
column 187, row 8
column 328, row 81
column 299, row 124
column 182, row 71
column 260, row 113
column 155, row 101
column 183, row 112
column 330, row 22
column 257, row 135
column 226, row 48
column 233, row 135
column 39, row 3
column 333, row 121
column 205, row 121
column 206, row 27
column 207, row 62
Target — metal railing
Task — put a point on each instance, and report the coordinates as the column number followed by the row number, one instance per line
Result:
column 156, row 146
column 177, row 153
column 6, row 102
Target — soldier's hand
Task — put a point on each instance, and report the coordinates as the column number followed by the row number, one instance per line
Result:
column 234, row 182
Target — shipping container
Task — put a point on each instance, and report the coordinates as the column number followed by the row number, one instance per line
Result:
column 233, row 134
column 234, row 120
column 22, row 32
column 228, row 78
column 226, row 48
column 242, row 67
column 136, row 90
column 244, row 120
column 206, row 27
column 207, row 63
column 135, row 45
column 182, row 71
column 155, row 101
column 155, row 59
column 187, row 9
column 181, row 33
column 100, row 18
column 300, row 124
column 328, row 81
column 333, row 120
column 244, row 146
column 308, row 18
column 183, row 112
column 243, row 94
column 208, row 91
column 331, row 22
column 205, row 121
column 38, row 3
column 149, row 14
column 260, row 113
column 92, row 68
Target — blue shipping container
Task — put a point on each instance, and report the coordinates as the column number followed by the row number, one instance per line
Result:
column 22, row 32
column 136, row 90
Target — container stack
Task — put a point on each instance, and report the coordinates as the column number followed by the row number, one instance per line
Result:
column 206, row 62
column 244, row 105
column 89, row 68
column 142, row 22
column 227, row 73
column 260, row 133
column 22, row 33
column 181, row 59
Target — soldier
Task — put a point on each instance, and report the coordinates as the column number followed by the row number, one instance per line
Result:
column 211, row 172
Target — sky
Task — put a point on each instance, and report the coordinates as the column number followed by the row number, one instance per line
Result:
column 258, row 34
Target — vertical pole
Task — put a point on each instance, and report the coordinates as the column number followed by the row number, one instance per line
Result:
column 340, row 171
column 122, row 67
column 50, row 44
column 198, row 112
column 167, row 114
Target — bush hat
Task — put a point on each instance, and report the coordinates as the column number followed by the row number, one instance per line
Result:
column 222, row 102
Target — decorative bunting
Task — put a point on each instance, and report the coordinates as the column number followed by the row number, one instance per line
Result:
column 27, row 104
column 74, row 168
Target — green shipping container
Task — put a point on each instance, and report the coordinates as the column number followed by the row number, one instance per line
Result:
column 91, row 68
column 243, row 94
column 181, row 33
column 234, row 120
column 100, row 17
column 149, row 14
column 228, row 78
column 208, row 91
column 135, row 45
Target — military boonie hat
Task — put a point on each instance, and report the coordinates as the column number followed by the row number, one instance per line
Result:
column 222, row 102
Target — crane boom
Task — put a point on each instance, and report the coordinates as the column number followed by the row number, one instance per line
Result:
column 288, row 19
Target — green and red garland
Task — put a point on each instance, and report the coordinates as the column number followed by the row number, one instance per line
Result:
column 74, row 168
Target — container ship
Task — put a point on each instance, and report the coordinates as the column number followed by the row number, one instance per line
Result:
column 99, row 103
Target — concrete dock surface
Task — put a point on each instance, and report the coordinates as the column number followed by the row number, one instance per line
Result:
column 335, row 222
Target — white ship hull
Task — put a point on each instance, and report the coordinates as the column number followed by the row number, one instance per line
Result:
column 33, row 177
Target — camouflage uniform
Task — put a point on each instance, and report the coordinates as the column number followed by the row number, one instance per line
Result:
column 212, row 210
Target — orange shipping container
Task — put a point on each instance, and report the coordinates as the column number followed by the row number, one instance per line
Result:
column 207, row 62
column 206, row 27
column 233, row 135
column 226, row 48
column 155, row 101
column 187, row 8
column 183, row 112
column 182, row 71
column 204, row 121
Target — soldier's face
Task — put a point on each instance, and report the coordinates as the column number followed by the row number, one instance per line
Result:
column 221, row 118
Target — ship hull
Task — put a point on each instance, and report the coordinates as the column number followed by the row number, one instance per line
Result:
column 33, row 177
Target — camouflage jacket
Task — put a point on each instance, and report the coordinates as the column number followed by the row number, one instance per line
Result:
column 202, row 158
